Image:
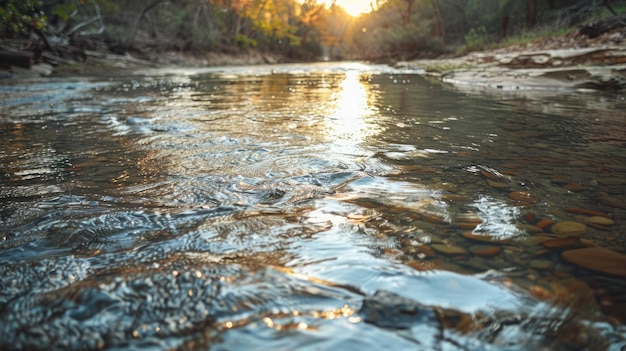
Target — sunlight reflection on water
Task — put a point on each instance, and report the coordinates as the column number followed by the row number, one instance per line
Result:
column 352, row 103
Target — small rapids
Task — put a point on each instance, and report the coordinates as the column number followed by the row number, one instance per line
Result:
column 323, row 206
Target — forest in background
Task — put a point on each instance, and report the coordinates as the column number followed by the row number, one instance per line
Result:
column 298, row 30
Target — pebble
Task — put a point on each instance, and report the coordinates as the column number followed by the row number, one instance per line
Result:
column 522, row 196
column 535, row 240
column 469, row 217
column 421, row 265
column 568, row 228
column 529, row 228
column 540, row 292
column 574, row 187
column 426, row 251
column 601, row 220
column 465, row 225
column 540, row 264
column 484, row 238
column 569, row 242
column 530, row 217
column 434, row 217
column 491, row 175
column 497, row 185
column 544, row 223
column 454, row 197
column 560, row 180
column 449, row 249
column 468, row 220
column 586, row 212
column 485, row 250
column 597, row 259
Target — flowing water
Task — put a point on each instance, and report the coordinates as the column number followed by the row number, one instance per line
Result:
column 310, row 207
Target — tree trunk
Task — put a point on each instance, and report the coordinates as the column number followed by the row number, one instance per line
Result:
column 133, row 31
column 505, row 22
column 439, row 28
column 409, row 11
column 504, row 26
column 531, row 13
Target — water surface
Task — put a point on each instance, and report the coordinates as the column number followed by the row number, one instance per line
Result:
column 309, row 207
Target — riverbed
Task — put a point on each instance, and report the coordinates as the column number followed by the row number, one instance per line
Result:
column 333, row 205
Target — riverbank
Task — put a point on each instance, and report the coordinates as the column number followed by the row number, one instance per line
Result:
column 570, row 62
column 574, row 61
column 99, row 62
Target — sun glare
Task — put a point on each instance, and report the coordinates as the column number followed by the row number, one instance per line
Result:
column 352, row 7
column 347, row 124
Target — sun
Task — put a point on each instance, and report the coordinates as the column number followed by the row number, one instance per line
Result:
column 354, row 8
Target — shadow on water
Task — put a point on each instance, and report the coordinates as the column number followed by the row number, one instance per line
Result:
column 307, row 207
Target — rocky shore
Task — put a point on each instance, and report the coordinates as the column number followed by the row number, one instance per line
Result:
column 572, row 62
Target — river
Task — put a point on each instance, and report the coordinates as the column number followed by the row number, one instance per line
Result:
column 312, row 207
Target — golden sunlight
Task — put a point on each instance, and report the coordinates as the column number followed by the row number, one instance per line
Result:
column 352, row 105
column 354, row 8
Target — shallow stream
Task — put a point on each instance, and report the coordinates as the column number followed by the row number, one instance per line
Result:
column 312, row 207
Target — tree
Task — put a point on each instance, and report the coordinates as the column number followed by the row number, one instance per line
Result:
column 531, row 13
column 133, row 30
column 409, row 9
column 439, row 30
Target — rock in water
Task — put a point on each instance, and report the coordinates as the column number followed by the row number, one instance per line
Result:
column 569, row 228
column 388, row 310
column 597, row 259
column 449, row 249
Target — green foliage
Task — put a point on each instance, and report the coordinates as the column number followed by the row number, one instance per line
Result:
column 245, row 42
column 478, row 39
column 536, row 34
column 63, row 11
column 203, row 39
column 19, row 17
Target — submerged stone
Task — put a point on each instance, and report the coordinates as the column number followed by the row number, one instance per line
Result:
column 541, row 264
column 535, row 240
column 601, row 220
column 491, row 174
column 449, row 249
column 544, row 223
column 469, row 217
column 485, row 238
column 497, row 185
column 569, row 228
column 569, row 242
column 522, row 196
column 529, row 228
column 485, row 250
column 388, row 310
column 597, row 259
column 586, row 212
column 574, row 187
